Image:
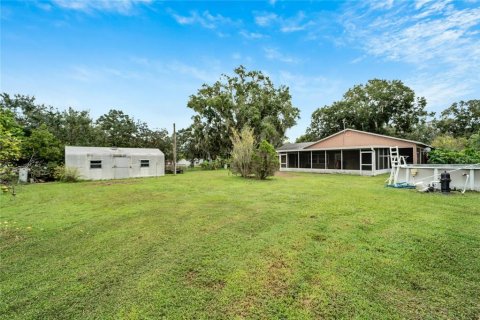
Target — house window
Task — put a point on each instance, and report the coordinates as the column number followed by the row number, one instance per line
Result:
column 95, row 164
column 144, row 163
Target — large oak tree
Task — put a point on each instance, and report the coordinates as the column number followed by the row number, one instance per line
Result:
column 379, row 106
column 248, row 98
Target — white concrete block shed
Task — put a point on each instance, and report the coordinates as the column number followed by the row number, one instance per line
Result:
column 102, row 163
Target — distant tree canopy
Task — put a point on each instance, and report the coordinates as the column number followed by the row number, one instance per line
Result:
column 461, row 119
column 379, row 106
column 248, row 98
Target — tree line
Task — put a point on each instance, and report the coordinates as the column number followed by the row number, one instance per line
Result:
column 35, row 134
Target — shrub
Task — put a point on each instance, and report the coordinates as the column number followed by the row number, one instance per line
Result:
column 443, row 156
column 213, row 164
column 242, row 152
column 8, row 179
column 264, row 160
column 474, row 141
column 205, row 165
column 447, row 142
column 66, row 174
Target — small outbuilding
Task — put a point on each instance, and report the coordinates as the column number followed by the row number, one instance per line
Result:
column 100, row 163
column 349, row 151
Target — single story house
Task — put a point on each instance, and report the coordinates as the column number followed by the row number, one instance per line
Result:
column 349, row 151
column 101, row 163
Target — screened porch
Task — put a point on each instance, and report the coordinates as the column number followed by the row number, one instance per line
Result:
column 367, row 160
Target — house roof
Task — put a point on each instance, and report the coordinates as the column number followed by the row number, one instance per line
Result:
column 112, row 150
column 304, row 145
column 295, row 146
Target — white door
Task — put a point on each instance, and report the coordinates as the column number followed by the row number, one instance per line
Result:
column 121, row 167
column 366, row 161
column 283, row 160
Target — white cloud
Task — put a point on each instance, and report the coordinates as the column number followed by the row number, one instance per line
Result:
column 242, row 59
column 440, row 40
column 298, row 22
column 265, row 19
column 209, row 73
column 89, row 74
column 251, row 35
column 274, row 54
column 120, row 6
column 204, row 19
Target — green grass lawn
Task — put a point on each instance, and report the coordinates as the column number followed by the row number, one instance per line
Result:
column 209, row 245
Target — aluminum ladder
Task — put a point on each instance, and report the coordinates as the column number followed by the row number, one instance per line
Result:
column 397, row 161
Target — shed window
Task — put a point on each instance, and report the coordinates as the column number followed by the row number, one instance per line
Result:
column 95, row 164
column 144, row 163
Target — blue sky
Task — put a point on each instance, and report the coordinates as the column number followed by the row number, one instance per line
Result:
column 147, row 57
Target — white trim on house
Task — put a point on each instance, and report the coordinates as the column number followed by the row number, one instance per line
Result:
column 336, row 148
column 352, row 172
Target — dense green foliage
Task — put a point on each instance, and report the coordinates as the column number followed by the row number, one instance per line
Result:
column 265, row 161
column 465, row 156
column 379, row 106
column 206, row 245
column 66, row 174
column 451, row 150
column 251, row 159
column 216, row 164
column 447, row 142
column 474, row 141
column 10, row 137
column 248, row 98
column 461, row 119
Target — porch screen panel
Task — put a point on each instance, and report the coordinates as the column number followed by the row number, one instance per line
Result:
column 351, row 159
column 334, row 159
column 318, row 158
column 407, row 153
column 292, row 160
column 305, row 159
column 382, row 158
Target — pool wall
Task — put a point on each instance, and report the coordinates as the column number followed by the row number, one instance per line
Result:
column 428, row 174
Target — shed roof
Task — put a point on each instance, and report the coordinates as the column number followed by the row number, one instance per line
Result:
column 112, row 150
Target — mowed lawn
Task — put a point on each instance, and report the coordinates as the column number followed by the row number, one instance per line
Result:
column 210, row 245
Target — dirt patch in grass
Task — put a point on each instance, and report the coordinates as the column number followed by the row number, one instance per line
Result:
column 9, row 236
column 319, row 237
column 113, row 182
column 285, row 174
column 193, row 278
column 278, row 275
